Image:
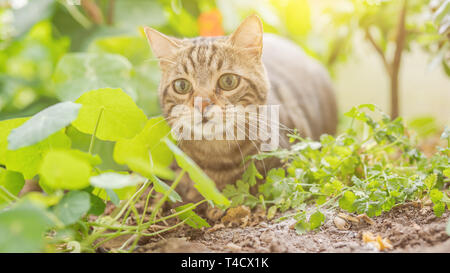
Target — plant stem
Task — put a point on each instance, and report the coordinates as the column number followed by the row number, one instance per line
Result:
column 10, row 195
column 93, row 11
column 146, row 184
column 166, row 194
column 6, row 198
column 76, row 14
column 110, row 15
column 146, row 225
column 115, row 235
column 91, row 145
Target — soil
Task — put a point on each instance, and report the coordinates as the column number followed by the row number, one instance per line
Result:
column 409, row 228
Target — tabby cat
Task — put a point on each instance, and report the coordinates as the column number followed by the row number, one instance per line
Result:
column 238, row 70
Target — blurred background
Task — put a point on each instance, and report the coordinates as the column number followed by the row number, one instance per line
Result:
column 393, row 53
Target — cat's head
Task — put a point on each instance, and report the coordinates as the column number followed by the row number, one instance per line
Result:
column 217, row 71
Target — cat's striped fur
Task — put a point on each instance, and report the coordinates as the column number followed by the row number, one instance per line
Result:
column 280, row 74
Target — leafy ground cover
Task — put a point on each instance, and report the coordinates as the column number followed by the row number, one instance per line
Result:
column 76, row 187
column 366, row 173
column 369, row 169
column 105, row 176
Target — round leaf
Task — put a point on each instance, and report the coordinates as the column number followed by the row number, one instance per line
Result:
column 116, row 180
column 147, row 148
column 119, row 116
column 12, row 181
column 27, row 160
column 72, row 207
column 6, row 126
column 77, row 73
column 62, row 169
column 43, row 124
column 97, row 205
column 316, row 220
column 346, row 201
column 22, row 229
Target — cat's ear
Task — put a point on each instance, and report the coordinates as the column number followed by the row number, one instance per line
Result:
column 163, row 47
column 249, row 35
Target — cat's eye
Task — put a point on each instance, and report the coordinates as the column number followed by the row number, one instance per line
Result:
column 182, row 86
column 229, row 81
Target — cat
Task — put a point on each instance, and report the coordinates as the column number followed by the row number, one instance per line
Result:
column 238, row 70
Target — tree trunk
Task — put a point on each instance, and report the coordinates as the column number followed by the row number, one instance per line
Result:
column 400, row 45
column 394, row 96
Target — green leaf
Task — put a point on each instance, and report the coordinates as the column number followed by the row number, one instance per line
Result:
column 114, row 111
column 65, row 169
column 93, row 160
column 203, row 183
column 112, row 180
column 162, row 187
column 43, row 124
column 102, row 149
column 436, row 195
column 430, row 181
column 271, row 212
column 301, row 227
column 194, row 220
column 27, row 160
column 113, row 196
column 134, row 48
column 424, row 126
column 148, row 171
column 251, row 174
column 147, row 148
column 237, row 193
column 6, row 126
column 72, row 207
column 11, row 181
column 347, row 200
column 43, row 200
column 439, row 209
column 22, row 228
column 332, row 188
column 447, row 172
column 30, row 14
column 77, row 73
column 97, row 206
column 357, row 114
column 316, row 220
column 131, row 13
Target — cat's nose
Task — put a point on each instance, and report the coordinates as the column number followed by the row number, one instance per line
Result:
column 203, row 105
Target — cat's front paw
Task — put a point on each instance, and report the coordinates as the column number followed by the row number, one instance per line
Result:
column 214, row 214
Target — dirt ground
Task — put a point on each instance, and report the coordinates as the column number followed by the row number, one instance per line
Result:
column 409, row 228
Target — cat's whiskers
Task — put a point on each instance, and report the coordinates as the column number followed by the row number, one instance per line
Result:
column 240, row 151
column 266, row 123
column 256, row 146
column 280, row 125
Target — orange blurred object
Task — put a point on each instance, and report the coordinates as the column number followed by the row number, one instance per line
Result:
column 379, row 242
column 210, row 23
